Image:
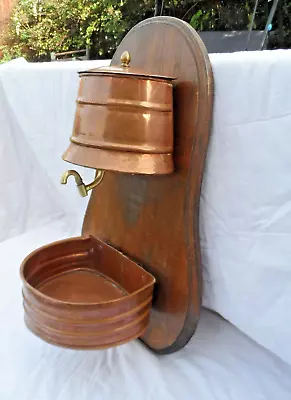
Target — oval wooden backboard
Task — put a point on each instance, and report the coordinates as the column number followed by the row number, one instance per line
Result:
column 154, row 219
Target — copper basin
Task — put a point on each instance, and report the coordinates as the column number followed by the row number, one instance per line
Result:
column 82, row 293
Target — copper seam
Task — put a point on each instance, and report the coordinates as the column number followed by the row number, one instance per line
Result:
column 126, row 147
column 129, row 103
column 92, row 347
column 53, row 301
column 87, row 334
column 93, row 321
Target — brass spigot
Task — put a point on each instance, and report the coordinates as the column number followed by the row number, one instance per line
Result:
column 83, row 189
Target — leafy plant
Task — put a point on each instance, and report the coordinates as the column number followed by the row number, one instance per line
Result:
column 40, row 27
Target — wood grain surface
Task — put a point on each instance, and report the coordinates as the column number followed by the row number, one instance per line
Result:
column 154, row 219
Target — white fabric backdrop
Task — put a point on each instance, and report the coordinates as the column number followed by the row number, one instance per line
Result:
column 41, row 98
column 28, row 199
column 245, row 221
column 219, row 363
column 246, row 198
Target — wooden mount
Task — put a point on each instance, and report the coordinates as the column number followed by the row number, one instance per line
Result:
column 154, row 219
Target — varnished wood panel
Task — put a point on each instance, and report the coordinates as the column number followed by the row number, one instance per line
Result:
column 154, row 219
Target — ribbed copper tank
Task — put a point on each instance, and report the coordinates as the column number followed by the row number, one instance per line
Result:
column 123, row 121
column 81, row 293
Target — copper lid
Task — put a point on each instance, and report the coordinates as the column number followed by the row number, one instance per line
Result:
column 125, row 70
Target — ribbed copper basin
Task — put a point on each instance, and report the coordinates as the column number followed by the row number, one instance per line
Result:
column 82, row 293
column 123, row 122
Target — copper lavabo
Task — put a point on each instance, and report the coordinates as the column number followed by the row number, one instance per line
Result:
column 95, row 291
column 124, row 121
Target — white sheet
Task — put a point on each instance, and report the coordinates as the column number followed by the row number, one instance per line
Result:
column 246, row 198
column 28, row 199
column 220, row 363
column 245, row 224
column 41, row 98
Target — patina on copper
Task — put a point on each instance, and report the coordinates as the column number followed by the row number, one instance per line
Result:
column 123, row 121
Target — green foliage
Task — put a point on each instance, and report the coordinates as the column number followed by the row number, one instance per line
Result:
column 39, row 27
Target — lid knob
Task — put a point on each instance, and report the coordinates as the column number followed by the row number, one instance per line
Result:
column 125, row 59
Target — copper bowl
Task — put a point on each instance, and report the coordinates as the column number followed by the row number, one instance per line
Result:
column 82, row 293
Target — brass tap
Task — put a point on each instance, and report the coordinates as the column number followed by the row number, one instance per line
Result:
column 83, row 189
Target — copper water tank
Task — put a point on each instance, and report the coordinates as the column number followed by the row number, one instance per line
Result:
column 123, row 121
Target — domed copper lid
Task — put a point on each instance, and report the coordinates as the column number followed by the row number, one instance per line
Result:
column 125, row 70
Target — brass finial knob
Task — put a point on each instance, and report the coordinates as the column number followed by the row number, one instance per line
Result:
column 125, row 59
